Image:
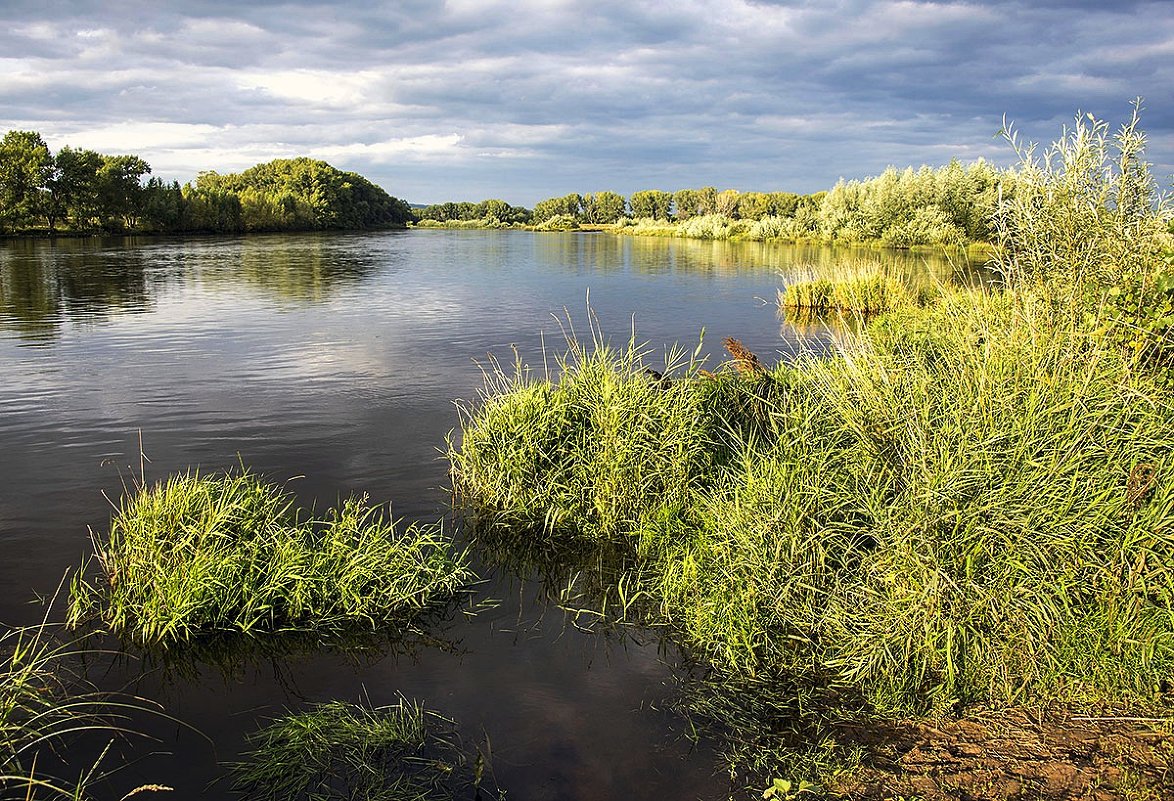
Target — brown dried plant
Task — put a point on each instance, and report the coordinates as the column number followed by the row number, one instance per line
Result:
column 744, row 360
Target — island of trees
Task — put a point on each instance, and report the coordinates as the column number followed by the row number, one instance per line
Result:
column 82, row 191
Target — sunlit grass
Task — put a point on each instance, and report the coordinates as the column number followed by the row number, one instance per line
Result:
column 200, row 555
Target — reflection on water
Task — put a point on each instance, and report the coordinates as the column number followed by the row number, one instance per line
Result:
column 47, row 285
column 335, row 359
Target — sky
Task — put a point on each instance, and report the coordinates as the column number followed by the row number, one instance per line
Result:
column 528, row 99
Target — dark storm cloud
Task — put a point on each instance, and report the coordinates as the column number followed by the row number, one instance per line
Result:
column 527, row 99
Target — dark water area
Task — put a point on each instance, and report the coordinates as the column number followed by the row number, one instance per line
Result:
column 333, row 362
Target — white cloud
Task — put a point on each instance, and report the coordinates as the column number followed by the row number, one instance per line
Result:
column 417, row 148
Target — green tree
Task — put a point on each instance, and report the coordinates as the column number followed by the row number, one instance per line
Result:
column 120, row 190
column 25, row 169
column 603, row 207
column 726, row 202
column 568, row 205
column 162, row 205
column 753, row 205
column 73, row 187
column 651, row 203
column 685, row 203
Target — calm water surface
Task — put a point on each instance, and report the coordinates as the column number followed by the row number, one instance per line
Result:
column 333, row 362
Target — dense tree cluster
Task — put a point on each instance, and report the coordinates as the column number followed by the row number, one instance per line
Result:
column 655, row 204
column 82, row 190
column 950, row 205
column 489, row 211
column 944, row 206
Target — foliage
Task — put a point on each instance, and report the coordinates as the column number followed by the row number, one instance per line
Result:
column 559, row 222
column 967, row 504
column 603, row 207
column 945, row 206
column 303, row 193
column 81, row 190
column 491, row 213
column 904, row 518
column 1085, row 215
column 25, row 166
column 201, row 555
column 566, row 206
column 347, row 751
column 652, row 203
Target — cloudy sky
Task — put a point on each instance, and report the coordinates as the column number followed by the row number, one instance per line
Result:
column 525, row 99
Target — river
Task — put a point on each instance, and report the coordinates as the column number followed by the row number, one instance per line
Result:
column 333, row 362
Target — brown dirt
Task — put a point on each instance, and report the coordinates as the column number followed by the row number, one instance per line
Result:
column 1012, row 756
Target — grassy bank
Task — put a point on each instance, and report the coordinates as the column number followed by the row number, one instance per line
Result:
column 785, row 231
column 200, row 555
column 968, row 505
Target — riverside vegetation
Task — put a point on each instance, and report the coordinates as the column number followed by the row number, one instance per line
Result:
column 967, row 506
column 198, row 560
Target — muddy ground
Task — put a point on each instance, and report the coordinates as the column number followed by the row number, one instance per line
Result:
column 1015, row 756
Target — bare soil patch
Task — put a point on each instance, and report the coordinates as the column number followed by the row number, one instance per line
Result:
column 1014, row 756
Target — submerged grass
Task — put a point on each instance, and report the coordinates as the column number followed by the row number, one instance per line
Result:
column 46, row 705
column 339, row 750
column 200, row 555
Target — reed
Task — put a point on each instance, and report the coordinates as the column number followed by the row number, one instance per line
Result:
column 200, row 555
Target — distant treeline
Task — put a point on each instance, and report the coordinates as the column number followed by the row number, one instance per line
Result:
column 79, row 190
column 950, row 205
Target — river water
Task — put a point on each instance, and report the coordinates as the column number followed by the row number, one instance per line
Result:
column 333, row 362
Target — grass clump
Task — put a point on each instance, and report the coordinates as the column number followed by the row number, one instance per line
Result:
column 859, row 295
column 339, row 750
column 200, row 555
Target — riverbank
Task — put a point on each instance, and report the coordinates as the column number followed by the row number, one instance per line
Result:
column 967, row 506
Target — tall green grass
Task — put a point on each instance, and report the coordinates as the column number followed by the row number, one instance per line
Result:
column 970, row 503
column 909, row 517
column 870, row 294
column 199, row 555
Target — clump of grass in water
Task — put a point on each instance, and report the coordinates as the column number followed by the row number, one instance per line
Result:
column 348, row 751
column 200, row 555
column 861, row 295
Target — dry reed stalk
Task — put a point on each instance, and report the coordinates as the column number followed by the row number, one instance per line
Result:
column 744, row 360
column 1142, row 479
